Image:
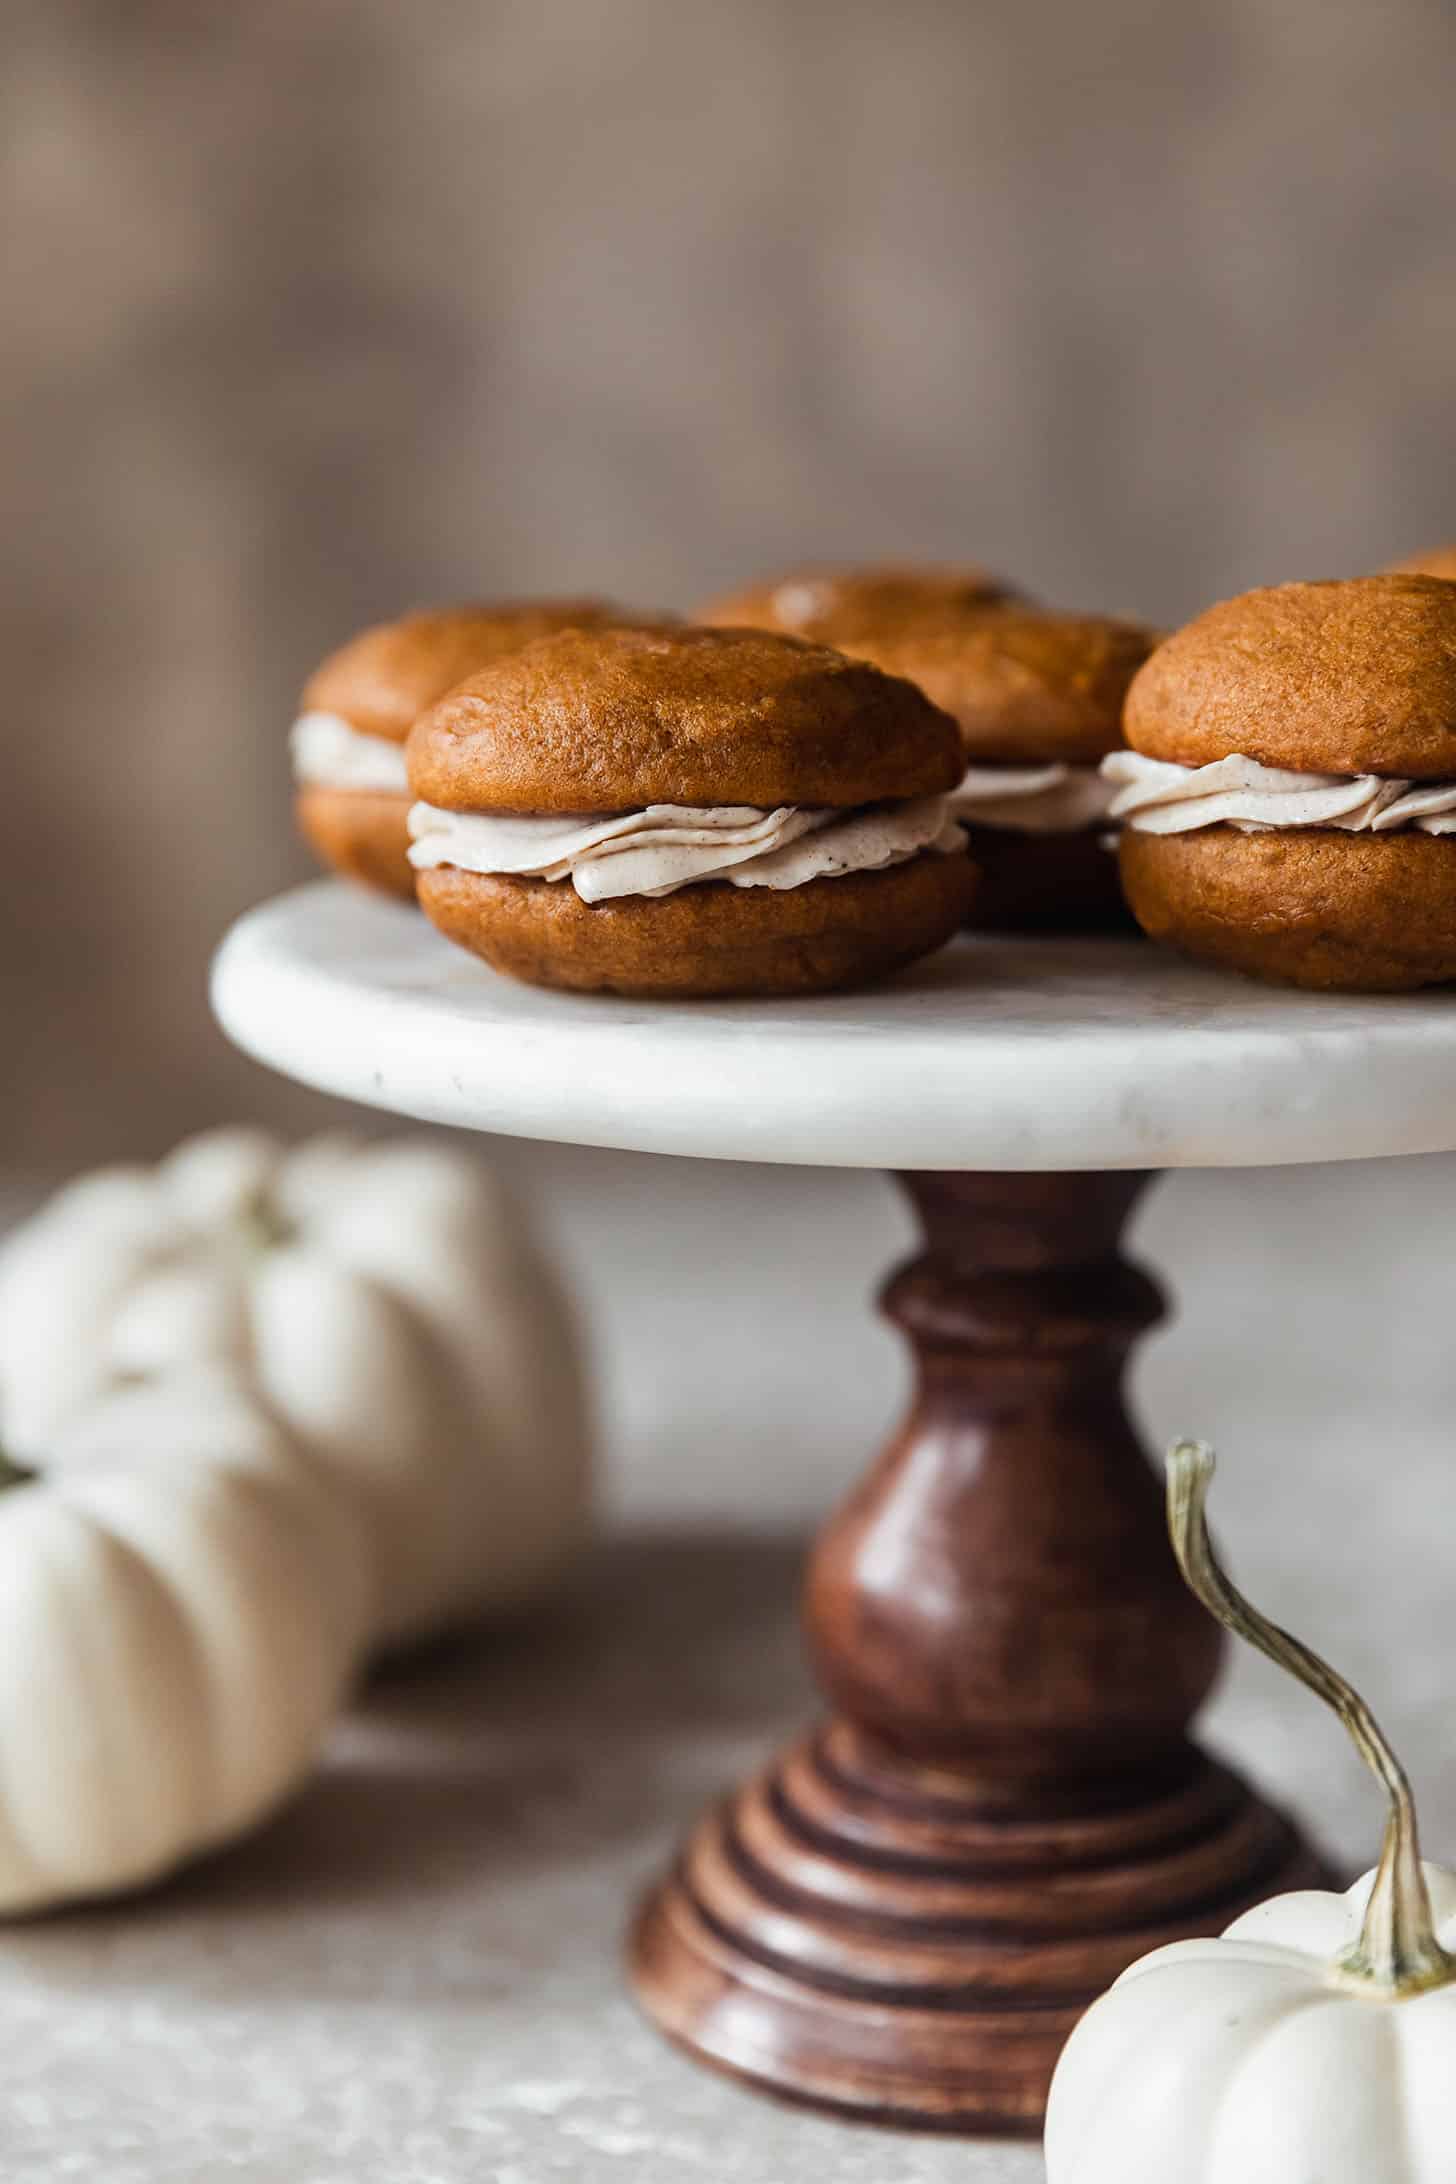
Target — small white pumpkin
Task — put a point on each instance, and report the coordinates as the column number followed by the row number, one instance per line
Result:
column 1315, row 2041
column 182, row 1605
column 388, row 1306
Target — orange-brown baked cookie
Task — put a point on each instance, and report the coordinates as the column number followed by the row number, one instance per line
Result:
column 856, row 608
column 1288, row 803
column 1349, row 913
column 704, row 940
column 360, row 704
column 1351, row 678
column 688, row 812
column 1029, row 686
column 604, row 720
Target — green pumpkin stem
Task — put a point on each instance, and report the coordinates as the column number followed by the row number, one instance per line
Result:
column 12, row 1474
column 1397, row 1953
column 261, row 1226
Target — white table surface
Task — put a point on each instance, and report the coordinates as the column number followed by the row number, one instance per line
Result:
column 992, row 1054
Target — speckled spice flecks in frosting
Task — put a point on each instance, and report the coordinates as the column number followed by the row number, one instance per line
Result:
column 656, row 851
column 1154, row 796
column 1052, row 799
column 328, row 754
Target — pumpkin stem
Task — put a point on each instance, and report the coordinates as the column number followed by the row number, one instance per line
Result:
column 1397, row 1953
column 12, row 1474
column 260, row 1224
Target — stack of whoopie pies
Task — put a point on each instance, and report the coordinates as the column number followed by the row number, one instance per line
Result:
column 817, row 783
column 1037, row 696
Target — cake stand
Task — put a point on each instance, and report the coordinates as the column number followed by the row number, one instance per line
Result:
column 903, row 1915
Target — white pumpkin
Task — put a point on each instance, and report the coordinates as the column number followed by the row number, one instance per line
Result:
column 182, row 1605
column 1246, row 2060
column 1315, row 2042
column 388, row 1306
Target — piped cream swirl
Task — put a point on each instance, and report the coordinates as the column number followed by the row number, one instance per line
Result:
column 1156, row 797
column 1053, row 799
column 328, row 754
column 656, row 851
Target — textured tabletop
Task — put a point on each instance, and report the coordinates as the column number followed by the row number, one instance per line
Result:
column 412, row 1976
column 992, row 1054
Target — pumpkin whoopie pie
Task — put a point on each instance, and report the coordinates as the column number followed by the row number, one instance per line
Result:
column 1038, row 699
column 688, row 812
column 357, row 708
column 1288, row 803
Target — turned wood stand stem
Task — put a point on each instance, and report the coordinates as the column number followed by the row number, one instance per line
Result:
column 904, row 1916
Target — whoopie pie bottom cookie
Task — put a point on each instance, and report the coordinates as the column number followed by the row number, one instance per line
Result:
column 710, row 939
column 1045, row 883
column 362, row 833
column 1338, row 912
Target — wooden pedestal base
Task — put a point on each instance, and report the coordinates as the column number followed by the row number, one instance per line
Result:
column 903, row 1918
column 855, row 1937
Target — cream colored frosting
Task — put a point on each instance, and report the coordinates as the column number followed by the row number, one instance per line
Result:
column 1157, row 797
column 1032, row 799
column 329, row 754
column 668, row 846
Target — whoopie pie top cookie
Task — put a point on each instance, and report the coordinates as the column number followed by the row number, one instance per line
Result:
column 609, row 720
column 1029, row 685
column 687, row 811
column 1038, row 698
column 857, row 610
column 1304, row 705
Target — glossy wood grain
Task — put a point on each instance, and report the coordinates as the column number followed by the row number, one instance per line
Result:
column 905, row 1914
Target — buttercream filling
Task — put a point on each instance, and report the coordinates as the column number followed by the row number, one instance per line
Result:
column 668, row 846
column 1157, row 797
column 1032, row 799
column 328, row 754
